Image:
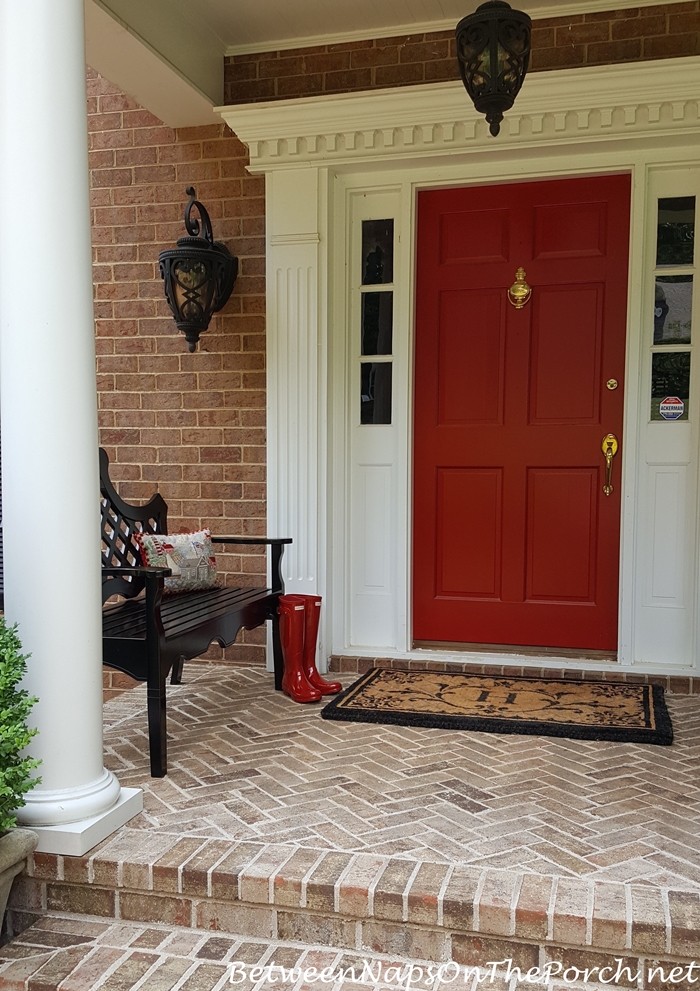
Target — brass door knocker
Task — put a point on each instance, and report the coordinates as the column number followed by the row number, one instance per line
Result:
column 520, row 292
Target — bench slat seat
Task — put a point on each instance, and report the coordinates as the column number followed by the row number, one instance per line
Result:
column 178, row 612
column 149, row 633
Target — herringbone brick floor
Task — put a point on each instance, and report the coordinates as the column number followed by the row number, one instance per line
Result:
column 246, row 763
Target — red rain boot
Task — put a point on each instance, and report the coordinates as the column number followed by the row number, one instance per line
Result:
column 294, row 683
column 312, row 616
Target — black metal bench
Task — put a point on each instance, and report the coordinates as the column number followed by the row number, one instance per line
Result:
column 150, row 635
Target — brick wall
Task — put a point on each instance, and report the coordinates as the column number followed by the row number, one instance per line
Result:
column 630, row 35
column 191, row 426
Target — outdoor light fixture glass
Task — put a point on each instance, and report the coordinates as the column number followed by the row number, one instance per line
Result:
column 199, row 274
column 493, row 49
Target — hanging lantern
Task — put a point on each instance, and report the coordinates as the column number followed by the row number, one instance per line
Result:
column 493, row 49
column 199, row 274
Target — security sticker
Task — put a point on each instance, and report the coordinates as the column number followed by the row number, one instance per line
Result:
column 671, row 408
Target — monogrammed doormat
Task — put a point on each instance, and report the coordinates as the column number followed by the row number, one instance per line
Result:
column 588, row 710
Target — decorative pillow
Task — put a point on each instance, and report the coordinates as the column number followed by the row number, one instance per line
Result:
column 190, row 556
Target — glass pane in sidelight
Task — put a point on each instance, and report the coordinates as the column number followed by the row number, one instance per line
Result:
column 675, row 233
column 673, row 305
column 670, row 385
column 375, row 392
column 377, row 319
column 377, row 252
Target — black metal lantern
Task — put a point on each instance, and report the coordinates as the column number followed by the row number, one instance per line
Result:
column 199, row 275
column 493, row 49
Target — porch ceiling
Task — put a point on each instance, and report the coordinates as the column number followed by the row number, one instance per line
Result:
column 249, row 25
column 168, row 54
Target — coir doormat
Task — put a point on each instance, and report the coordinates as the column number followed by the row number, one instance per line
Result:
column 588, row 710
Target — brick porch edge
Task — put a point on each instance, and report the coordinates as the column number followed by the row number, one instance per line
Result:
column 352, row 665
column 422, row 910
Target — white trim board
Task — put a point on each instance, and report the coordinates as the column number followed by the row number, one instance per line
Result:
column 567, row 8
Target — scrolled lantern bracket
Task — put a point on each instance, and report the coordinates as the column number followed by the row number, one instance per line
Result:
column 493, row 50
column 198, row 275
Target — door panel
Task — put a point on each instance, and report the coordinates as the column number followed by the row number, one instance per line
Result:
column 469, row 560
column 514, row 540
column 570, row 230
column 457, row 243
column 483, row 348
column 565, row 357
column 561, row 534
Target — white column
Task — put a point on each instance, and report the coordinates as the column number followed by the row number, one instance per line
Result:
column 49, row 418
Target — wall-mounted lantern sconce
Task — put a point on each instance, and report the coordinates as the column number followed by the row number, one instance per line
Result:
column 199, row 274
column 493, row 49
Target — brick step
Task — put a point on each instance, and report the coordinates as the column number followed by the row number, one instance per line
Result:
column 677, row 685
column 76, row 953
column 365, row 903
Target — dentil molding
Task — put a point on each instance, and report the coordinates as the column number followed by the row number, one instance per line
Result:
column 568, row 106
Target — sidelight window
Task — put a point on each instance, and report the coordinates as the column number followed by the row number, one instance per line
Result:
column 673, row 303
column 377, row 316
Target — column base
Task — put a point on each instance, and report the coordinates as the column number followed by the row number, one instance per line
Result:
column 55, row 806
column 73, row 839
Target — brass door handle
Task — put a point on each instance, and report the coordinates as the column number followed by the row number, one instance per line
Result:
column 609, row 448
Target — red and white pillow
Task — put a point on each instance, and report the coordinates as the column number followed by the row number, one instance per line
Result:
column 190, row 556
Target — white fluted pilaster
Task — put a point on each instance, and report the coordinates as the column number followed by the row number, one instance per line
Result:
column 296, row 356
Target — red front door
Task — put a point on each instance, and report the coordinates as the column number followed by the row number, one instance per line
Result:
column 515, row 541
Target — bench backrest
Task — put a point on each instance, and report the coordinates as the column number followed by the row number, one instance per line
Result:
column 119, row 522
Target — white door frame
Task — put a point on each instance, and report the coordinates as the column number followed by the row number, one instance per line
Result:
column 320, row 156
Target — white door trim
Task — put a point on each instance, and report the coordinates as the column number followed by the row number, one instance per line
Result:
column 317, row 154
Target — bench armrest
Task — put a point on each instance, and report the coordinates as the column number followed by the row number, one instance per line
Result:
column 251, row 540
column 118, row 571
column 155, row 585
column 277, row 544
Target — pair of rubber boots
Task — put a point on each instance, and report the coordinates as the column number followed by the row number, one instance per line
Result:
column 299, row 619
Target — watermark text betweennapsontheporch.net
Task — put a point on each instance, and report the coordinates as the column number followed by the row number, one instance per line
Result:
column 409, row 976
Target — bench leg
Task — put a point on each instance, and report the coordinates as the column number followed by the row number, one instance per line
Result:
column 176, row 676
column 157, row 731
column 277, row 658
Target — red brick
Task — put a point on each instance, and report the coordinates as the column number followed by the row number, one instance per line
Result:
column 542, row 37
column 349, row 80
column 425, row 52
column 672, row 46
column 558, row 58
column 444, row 69
column 289, row 86
column 627, row 13
column 477, row 951
column 104, row 122
column 404, row 39
column 116, row 101
column 281, row 67
column 327, row 62
column 374, row 56
column 684, row 23
column 157, row 135
column 100, row 160
column 111, row 177
column 614, row 51
column 555, row 22
column 638, row 27
column 577, row 34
